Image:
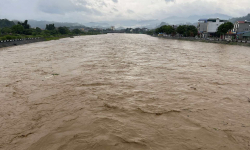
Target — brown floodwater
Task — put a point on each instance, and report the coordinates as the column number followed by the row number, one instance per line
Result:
column 124, row 92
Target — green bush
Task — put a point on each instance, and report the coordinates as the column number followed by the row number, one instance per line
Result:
column 3, row 38
column 14, row 37
column 19, row 37
column 34, row 34
column 9, row 37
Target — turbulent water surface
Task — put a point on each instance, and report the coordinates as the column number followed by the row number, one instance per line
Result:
column 124, row 92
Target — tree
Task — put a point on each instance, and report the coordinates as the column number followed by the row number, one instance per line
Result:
column 17, row 29
column 181, row 29
column 28, row 31
column 157, row 30
column 38, row 30
column 63, row 30
column 50, row 27
column 53, row 32
column 187, row 30
column 24, row 24
column 191, row 31
column 165, row 29
column 76, row 31
column 46, row 33
column 5, row 30
column 224, row 28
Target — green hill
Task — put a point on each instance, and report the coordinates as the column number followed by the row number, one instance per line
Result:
column 247, row 17
column 6, row 23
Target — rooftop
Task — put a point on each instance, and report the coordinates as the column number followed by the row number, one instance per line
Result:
column 241, row 21
column 202, row 20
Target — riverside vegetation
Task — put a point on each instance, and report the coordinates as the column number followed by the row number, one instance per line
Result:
column 22, row 30
column 189, row 30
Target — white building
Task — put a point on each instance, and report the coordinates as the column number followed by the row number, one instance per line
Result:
column 202, row 27
column 209, row 26
column 213, row 24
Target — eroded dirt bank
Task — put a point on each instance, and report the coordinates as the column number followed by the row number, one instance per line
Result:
column 124, row 92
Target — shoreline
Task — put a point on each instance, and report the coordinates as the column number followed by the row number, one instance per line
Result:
column 10, row 43
column 206, row 41
column 28, row 41
column 31, row 40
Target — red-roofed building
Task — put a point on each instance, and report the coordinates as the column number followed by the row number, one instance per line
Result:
column 241, row 21
column 241, row 26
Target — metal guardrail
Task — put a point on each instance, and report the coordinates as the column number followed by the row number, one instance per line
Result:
column 13, row 40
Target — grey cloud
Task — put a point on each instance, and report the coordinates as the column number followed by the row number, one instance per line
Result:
column 169, row 0
column 130, row 11
column 98, row 10
column 104, row 4
column 65, row 6
column 115, row 9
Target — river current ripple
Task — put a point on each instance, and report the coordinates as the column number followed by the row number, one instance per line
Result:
column 124, row 92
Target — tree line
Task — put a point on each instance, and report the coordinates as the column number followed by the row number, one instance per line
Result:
column 10, row 30
column 189, row 30
column 183, row 30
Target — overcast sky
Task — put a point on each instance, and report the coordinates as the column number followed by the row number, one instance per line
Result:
column 83, row 11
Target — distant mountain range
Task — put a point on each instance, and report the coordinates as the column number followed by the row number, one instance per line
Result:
column 173, row 20
column 247, row 17
column 123, row 23
column 193, row 19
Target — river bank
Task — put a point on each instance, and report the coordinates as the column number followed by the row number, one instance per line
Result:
column 16, row 42
column 239, row 43
column 8, row 43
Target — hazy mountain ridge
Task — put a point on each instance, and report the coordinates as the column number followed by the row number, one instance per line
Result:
column 173, row 20
column 6, row 23
column 247, row 17
column 194, row 18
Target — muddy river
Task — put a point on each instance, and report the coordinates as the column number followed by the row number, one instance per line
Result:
column 124, row 92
